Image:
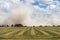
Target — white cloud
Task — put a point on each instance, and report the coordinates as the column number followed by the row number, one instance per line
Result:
column 28, row 14
column 45, row 1
column 52, row 6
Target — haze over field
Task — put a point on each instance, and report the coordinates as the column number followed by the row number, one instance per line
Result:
column 30, row 12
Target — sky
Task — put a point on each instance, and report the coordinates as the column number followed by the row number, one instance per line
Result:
column 30, row 12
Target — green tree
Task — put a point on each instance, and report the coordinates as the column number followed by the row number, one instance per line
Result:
column 46, row 26
column 54, row 26
column 40, row 26
column 33, row 26
column 18, row 25
column 7, row 25
column 12, row 25
column 58, row 25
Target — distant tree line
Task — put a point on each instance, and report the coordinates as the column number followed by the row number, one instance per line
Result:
column 20, row 25
column 16, row 25
column 48, row 26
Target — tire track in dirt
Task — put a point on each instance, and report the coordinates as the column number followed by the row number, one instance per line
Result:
column 33, row 31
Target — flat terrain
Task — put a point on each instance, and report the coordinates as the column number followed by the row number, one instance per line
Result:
column 29, row 33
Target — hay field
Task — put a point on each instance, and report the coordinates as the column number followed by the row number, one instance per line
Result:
column 29, row 33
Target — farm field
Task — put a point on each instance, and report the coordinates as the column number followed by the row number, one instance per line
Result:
column 29, row 33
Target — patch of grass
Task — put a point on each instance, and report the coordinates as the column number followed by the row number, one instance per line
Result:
column 27, row 33
column 38, row 32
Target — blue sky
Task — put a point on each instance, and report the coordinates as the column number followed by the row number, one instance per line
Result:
column 30, row 12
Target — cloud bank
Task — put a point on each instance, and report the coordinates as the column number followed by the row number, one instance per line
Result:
column 30, row 12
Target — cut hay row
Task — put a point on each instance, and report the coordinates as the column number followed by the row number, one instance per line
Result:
column 54, row 32
column 28, row 32
column 9, row 33
column 21, row 33
column 50, row 28
column 4, row 30
column 12, row 31
column 45, row 33
column 32, row 31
